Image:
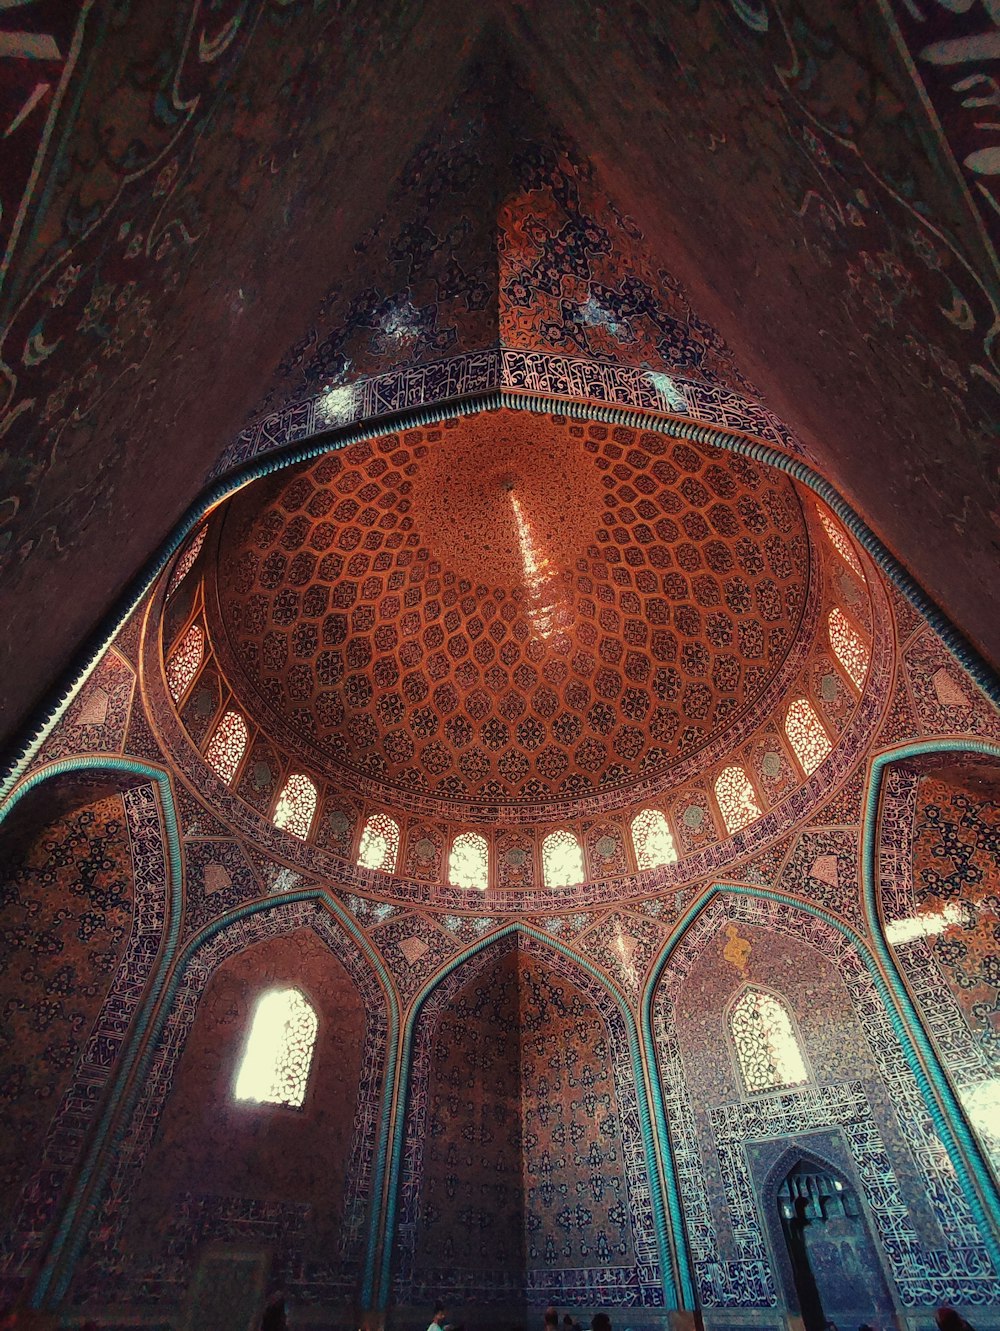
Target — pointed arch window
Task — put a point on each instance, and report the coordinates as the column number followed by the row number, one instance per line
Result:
column 839, row 541
column 765, row 1042
column 279, row 1050
column 379, row 847
column 228, row 744
column 736, row 797
column 806, row 735
column 186, row 562
column 296, row 806
column 469, row 861
column 184, row 660
column 652, row 839
column 849, row 647
column 562, row 860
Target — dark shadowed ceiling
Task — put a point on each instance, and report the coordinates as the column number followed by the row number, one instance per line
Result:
column 202, row 202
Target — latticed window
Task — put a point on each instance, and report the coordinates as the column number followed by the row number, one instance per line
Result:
column 737, row 801
column 296, row 806
column 839, row 541
column 184, row 660
column 849, row 647
column 279, row 1050
column 806, row 735
column 468, row 863
column 765, row 1042
column 562, row 860
column 227, row 745
column 652, row 839
column 185, row 564
column 379, row 843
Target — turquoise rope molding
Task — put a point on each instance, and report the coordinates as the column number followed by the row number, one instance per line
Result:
column 450, row 409
column 89, row 1172
column 59, row 1288
column 954, row 1112
column 635, row 1050
column 57, row 1271
column 905, row 1025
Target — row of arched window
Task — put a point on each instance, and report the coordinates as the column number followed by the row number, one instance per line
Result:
column 562, row 859
column 562, row 855
column 279, row 1049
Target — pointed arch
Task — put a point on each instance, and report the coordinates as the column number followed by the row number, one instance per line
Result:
column 674, row 1268
column 736, row 798
column 469, row 861
column 839, row 540
column 972, row 1174
column 767, row 1047
column 142, row 976
column 806, row 734
column 278, row 1050
column 940, row 1093
column 848, row 646
column 184, row 661
column 652, row 839
column 562, row 859
column 231, row 933
column 226, row 748
column 187, row 560
column 379, row 844
column 296, row 805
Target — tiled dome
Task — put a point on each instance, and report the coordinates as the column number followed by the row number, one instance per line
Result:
column 510, row 608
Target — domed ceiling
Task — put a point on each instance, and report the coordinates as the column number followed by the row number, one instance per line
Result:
column 510, row 608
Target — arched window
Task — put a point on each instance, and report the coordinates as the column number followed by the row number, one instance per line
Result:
column 184, row 660
column 653, row 842
column 186, row 562
column 562, row 860
column 279, row 1050
column 806, row 735
column 379, row 843
column 736, row 797
column 849, row 647
column 765, row 1042
column 839, row 541
column 227, row 745
column 468, row 863
column 296, row 806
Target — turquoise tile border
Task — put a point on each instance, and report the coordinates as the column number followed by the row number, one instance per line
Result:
column 66, row 1240
column 635, row 1049
column 472, row 404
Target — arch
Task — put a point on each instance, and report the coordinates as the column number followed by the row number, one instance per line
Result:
column 224, row 937
column 224, row 751
column 652, row 839
column 839, row 540
column 767, row 1046
column 154, row 943
column 736, row 799
column 942, row 1101
column 328, row 440
column 908, row 1038
column 379, row 844
column 797, row 1156
column 848, row 646
column 562, row 859
column 295, row 807
column 667, row 1257
column 806, row 734
column 186, row 562
column 469, row 861
column 278, row 1050
column 185, row 660
column 138, row 1049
